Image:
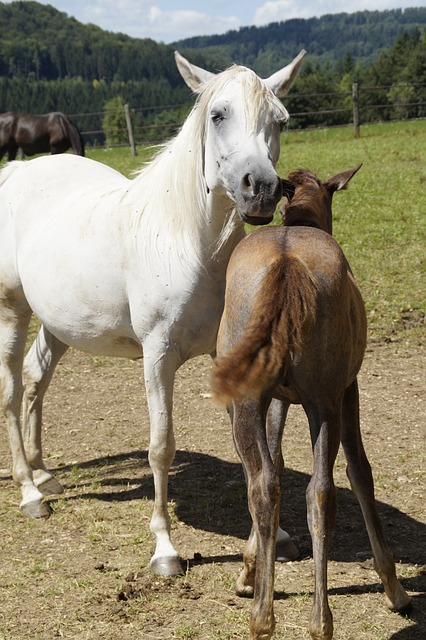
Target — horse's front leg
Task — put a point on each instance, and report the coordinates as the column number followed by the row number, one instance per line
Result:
column 263, row 487
column 321, row 508
column 39, row 365
column 159, row 369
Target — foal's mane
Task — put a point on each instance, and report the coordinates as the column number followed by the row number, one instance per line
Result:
column 305, row 208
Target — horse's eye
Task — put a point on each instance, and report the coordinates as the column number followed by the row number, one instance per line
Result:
column 218, row 116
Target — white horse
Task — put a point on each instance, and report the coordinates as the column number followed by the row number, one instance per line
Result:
column 133, row 268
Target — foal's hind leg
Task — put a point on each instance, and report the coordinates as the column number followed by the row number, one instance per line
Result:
column 361, row 479
column 263, row 490
column 285, row 549
column 324, row 425
column 39, row 365
column 13, row 331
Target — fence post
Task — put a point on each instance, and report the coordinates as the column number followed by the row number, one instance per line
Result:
column 130, row 129
column 355, row 101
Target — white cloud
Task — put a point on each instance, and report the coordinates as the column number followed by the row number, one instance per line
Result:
column 144, row 18
column 185, row 23
column 279, row 11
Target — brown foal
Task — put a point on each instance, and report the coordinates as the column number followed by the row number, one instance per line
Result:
column 294, row 332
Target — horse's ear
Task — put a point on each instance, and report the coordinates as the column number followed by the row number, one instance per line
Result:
column 281, row 81
column 288, row 189
column 194, row 76
column 340, row 180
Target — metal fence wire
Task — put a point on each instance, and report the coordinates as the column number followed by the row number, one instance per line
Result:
column 137, row 126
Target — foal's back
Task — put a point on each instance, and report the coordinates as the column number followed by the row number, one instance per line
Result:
column 299, row 311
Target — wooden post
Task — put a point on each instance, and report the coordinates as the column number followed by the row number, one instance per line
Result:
column 130, row 129
column 355, row 100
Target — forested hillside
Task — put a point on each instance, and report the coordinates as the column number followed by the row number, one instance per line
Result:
column 49, row 61
column 363, row 35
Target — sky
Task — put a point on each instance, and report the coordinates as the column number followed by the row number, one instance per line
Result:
column 171, row 20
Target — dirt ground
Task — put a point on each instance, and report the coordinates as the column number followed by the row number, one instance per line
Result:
column 82, row 574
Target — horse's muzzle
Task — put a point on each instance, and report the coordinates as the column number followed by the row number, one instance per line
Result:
column 257, row 220
column 259, row 199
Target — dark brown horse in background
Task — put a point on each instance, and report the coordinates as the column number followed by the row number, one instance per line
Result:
column 47, row 133
column 294, row 332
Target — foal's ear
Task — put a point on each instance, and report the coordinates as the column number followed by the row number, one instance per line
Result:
column 340, row 180
column 281, row 81
column 195, row 77
column 288, row 189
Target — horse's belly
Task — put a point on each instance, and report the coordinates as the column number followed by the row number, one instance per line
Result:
column 87, row 309
column 103, row 332
column 112, row 345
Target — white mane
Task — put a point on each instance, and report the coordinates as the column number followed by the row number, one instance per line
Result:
column 170, row 192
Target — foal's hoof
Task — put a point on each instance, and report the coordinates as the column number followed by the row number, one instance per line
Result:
column 36, row 509
column 50, row 487
column 168, row 566
column 400, row 600
column 286, row 551
column 244, row 590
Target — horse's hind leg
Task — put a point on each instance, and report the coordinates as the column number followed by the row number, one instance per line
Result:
column 324, row 425
column 14, row 321
column 39, row 365
column 285, row 550
column 361, row 479
column 263, row 490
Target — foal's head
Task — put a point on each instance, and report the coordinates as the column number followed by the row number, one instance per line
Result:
column 308, row 200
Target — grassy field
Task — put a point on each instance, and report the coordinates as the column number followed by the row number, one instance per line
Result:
column 380, row 222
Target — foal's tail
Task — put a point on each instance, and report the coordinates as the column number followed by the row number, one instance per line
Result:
column 75, row 137
column 284, row 306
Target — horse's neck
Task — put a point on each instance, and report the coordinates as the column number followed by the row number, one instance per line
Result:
column 173, row 201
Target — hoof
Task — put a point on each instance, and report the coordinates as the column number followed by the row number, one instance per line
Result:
column 50, row 487
column 36, row 509
column 168, row 566
column 401, row 601
column 244, row 590
column 286, row 551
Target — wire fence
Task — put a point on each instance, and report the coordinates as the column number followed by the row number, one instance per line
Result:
column 152, row 125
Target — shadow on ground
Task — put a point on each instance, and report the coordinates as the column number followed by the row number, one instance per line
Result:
column 210, row 495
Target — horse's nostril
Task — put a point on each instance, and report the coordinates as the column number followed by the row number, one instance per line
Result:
column 247, row 181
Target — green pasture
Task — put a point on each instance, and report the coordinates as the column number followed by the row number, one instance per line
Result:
column 380, row 221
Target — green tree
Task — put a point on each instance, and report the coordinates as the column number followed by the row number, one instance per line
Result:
column 114, row 121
